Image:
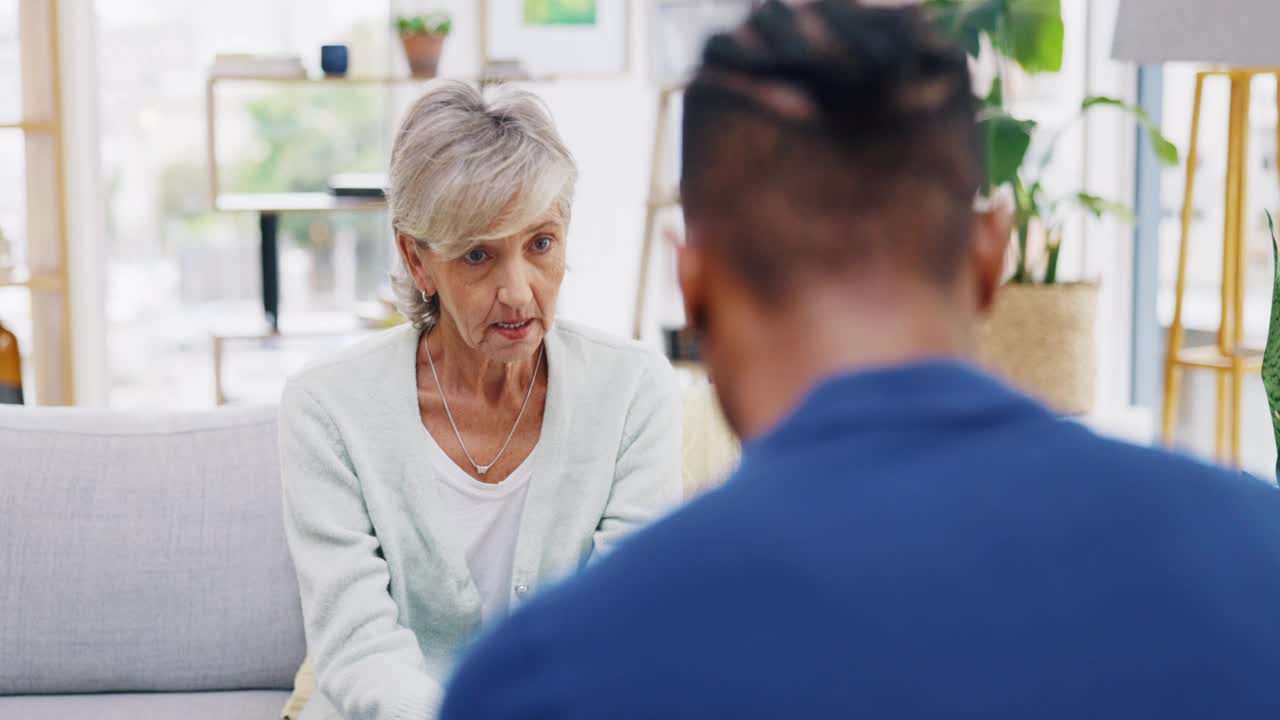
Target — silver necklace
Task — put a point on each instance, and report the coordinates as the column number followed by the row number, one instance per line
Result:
column 482, row 469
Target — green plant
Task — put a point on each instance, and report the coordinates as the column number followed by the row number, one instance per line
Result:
column 1271, row 352
column 1029, row 34
column 436, row 23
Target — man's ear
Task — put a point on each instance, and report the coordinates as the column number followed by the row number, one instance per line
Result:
column 691, row 268
column 991, row 232
column 408, row 247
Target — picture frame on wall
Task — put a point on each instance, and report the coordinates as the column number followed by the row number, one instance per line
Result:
column 679, row 29
column 557, row 38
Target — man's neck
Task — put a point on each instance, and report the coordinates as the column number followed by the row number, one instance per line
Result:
column 831, row 332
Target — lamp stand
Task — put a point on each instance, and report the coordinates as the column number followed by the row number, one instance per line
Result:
column 1227, row 358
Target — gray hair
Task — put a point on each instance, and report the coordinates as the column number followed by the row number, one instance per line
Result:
column 465, row 169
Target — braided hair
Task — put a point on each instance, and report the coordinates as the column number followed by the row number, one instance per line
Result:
column 830, row 137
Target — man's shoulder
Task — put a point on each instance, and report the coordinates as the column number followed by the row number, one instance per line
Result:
column 569, row 636
column 846, row 555
column 1165, row 470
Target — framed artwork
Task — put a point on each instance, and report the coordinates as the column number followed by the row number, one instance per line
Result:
column 557, row 37
column 678, row 30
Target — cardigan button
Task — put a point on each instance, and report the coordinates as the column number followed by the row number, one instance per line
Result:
column 522, row 590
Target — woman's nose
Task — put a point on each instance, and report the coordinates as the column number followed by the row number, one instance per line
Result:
column 514, row 288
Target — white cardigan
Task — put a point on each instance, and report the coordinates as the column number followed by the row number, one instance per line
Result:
column 387, row 603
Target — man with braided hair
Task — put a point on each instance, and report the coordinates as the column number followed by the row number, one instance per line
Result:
column 906, row 537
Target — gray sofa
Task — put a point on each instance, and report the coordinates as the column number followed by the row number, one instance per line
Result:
column 143, row 567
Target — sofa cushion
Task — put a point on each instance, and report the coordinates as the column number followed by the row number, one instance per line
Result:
column 245, row 705
column 143, row 553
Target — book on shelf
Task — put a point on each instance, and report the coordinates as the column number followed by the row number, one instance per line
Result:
column 263, row 66
column 358, row 185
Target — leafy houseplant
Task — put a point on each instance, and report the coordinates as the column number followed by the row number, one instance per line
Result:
column 1271, row 352
column 1029, row 34
column 1040, row 334
column 423, row 39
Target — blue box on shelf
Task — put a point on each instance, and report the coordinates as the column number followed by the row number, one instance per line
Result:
column 333, row 60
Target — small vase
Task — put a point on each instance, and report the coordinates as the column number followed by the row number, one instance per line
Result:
column 334, row 60
column 422, row 50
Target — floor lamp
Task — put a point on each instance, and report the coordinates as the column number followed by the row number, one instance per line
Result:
column 1238, row 38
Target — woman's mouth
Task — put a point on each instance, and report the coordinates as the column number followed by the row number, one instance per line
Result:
column 513, row 330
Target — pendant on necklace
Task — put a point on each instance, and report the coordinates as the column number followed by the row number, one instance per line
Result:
column 483, row 469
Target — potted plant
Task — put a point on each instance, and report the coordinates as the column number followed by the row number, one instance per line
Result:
column 1271, row 351
column 1040, row 334
column 423, row 39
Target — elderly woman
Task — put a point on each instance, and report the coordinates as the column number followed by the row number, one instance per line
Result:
column 437, row 474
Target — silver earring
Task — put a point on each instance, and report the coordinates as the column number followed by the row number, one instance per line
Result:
column 425, row 299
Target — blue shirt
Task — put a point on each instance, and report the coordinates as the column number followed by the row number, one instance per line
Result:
column 917, row 542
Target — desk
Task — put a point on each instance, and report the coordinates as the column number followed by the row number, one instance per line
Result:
column 269, row 207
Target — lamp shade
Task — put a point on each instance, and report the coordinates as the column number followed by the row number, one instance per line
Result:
column 1243, row 33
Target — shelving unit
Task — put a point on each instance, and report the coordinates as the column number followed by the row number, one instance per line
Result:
column 661, row 197
column 23, row 278
column 29, row 125
column 49, row 356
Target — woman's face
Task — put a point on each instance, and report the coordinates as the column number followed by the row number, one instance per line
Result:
column 500, row 294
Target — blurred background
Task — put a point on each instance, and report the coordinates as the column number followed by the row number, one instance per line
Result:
column 146, row 147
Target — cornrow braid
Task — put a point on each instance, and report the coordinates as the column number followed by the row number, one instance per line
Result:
column 842, row 119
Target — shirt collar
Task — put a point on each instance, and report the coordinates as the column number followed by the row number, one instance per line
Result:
column 933, row 393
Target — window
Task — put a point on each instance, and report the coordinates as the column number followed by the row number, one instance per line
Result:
column 177, row 271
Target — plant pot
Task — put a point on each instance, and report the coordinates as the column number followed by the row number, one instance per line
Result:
column 1040, row 338
column 422, row 50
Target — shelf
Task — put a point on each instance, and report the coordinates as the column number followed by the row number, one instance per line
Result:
column 28, row 125
column 215, row 78
column 24, row 278
column 218, row 78
column 275, row 203
column 1210, row 357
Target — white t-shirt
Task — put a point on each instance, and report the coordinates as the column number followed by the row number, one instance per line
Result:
column 485, row 520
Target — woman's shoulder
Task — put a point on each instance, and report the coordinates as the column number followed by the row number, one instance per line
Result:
column 600, row 351
column 609, row 377
column 360, row 368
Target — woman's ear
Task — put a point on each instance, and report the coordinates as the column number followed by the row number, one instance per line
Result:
column 408, row 246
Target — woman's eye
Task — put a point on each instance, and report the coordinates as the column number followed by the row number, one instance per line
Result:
column 475, row 256
column 542, row 244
